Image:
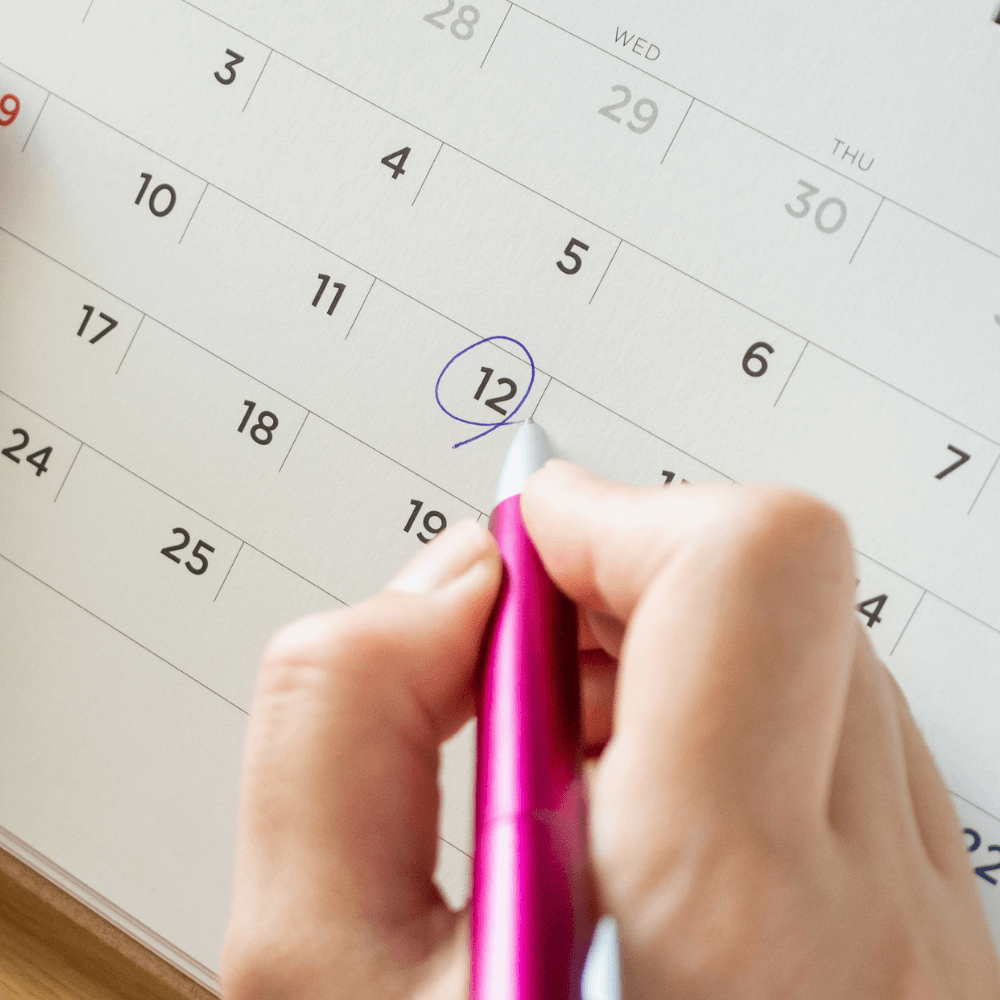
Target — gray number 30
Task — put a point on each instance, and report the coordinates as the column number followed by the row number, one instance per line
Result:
column 821, row 212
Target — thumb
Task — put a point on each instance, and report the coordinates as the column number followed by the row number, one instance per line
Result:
column 339, row 801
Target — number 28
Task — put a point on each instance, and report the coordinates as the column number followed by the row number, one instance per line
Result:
column 463, row 26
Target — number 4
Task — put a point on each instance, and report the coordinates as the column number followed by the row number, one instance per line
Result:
column 395, row 161
column 871, row 612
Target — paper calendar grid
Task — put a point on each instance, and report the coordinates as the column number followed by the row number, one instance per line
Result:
column 724, row 308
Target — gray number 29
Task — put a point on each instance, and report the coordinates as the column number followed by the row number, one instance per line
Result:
column 639, row 112
column 821, row 211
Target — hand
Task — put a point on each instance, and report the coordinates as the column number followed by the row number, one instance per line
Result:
column 765, row 819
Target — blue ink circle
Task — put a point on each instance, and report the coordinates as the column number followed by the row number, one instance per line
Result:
column 490, row 425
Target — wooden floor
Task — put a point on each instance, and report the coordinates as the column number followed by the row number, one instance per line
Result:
column 54, row 948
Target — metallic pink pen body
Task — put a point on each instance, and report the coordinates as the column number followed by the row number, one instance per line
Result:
column 528, row 937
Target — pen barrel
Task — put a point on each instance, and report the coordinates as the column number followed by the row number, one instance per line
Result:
column 529, row 907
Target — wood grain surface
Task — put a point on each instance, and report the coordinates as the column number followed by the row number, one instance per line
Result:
column 52, row 947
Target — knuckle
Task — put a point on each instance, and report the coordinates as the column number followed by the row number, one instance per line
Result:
column 344, row 639
column 780, row 529
column 330, row 636
column 783, row 514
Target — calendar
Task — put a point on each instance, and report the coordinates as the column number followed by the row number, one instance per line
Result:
column 277, row 282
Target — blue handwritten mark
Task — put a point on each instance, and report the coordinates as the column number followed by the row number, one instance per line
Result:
column 490, row 425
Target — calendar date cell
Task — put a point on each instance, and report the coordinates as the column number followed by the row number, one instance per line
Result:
column 897, row 479
column 99, row 203
column 181, row 84
column 981, row 831
column 328, row 478
column 918, row 311
column 946, row 665
column 126, row 551
column 752, row 218
column 584, row 432
column 63, row 338
column 35, row 456
column 300, row 301
column 681, row 361
column 884, row 602
column 195, row 426
column 344, row 185
column 504, row 260
column 21, row 102
column 590, row 134
column 224, row 645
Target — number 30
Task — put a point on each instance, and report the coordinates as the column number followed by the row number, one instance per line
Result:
column 803, row 200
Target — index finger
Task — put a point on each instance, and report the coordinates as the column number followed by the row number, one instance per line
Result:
column 739, row 634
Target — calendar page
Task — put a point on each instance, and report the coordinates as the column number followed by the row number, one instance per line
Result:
column 277, row 281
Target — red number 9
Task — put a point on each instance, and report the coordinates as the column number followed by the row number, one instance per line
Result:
column 10, row 106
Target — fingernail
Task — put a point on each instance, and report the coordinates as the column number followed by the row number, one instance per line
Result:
column 453, row 552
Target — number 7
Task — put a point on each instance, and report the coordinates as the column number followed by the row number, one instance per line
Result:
column 963, row 457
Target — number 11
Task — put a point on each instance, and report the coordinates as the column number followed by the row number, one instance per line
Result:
column 324, row 280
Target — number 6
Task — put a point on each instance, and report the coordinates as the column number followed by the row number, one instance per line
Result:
column 752, row 355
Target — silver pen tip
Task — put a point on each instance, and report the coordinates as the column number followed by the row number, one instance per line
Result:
column 529, row 451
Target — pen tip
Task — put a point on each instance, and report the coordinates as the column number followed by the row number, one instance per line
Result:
column 529, row 451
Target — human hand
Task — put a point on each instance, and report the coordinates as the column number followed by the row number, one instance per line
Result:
column 765, row 820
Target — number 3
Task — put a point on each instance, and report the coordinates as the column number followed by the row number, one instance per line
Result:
column 230, row 67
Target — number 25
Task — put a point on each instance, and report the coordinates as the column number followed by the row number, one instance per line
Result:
column 197, row 553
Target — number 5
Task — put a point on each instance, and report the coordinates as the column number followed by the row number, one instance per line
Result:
column 573, row 255
column 196, row 553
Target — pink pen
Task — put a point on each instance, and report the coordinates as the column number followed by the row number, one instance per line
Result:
column 529, row 939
